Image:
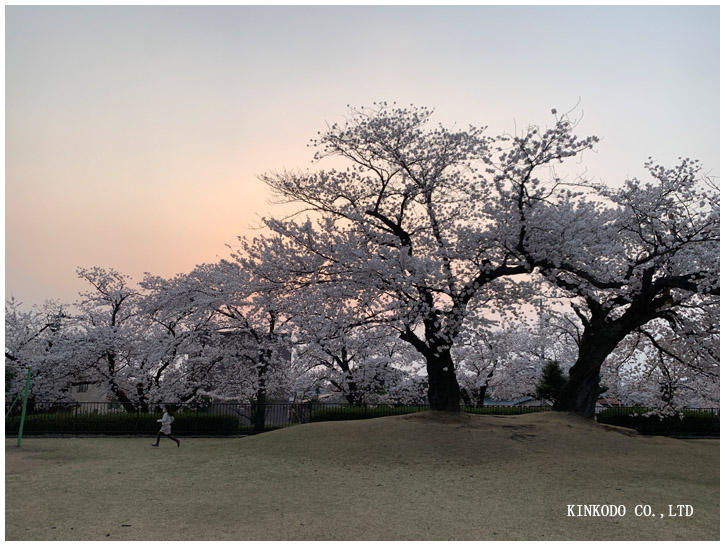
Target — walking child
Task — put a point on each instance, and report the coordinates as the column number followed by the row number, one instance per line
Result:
column 165, row 421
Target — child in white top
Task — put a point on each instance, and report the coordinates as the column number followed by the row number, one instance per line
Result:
column 165, row 421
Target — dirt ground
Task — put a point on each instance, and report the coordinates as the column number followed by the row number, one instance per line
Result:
column 420, row 476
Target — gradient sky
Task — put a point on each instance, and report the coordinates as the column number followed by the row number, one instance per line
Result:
column 134, row 135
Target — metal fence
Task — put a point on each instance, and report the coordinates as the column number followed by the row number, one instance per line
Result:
column 629, row 410
column 227, row 417
column 112, row 418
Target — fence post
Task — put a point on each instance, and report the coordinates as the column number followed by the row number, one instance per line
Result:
column 25, row 405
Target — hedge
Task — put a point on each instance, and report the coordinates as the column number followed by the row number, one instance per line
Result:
column 693, row 423
column 345, row 413
column 121, row 423
column 505, row 410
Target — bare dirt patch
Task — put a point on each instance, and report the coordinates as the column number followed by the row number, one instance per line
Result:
column 421, row 476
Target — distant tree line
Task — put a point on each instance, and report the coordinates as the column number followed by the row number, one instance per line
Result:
column 441, row 264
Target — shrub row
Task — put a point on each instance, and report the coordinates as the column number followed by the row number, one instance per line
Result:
column 692, row 423
column 346, row 413
column 121, row 423
column 505, row 410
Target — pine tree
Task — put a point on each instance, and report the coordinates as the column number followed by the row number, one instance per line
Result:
column 552, row 380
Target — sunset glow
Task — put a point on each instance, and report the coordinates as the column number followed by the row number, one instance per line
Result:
column 135, row 135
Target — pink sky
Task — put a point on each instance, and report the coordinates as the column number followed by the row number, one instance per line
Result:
column 134, row 135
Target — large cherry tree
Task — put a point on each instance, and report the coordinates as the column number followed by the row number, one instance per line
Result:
column 407, row 228
column 629, row 255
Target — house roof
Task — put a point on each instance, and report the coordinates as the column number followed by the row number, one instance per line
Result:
column 608, row 402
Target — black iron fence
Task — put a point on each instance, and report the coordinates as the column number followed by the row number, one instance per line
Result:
column 225, row 418
column 112, row 418
column 689, row 422
column 212, row 418
column 629, row 410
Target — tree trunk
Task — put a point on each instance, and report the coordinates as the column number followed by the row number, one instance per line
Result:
column 143, row 405
column 481, row 398
column 579, row 394
column 124, row 400
column 353, row 396
column 128, row 405
column 466, row 397
column 260, row 410
column 444, row 394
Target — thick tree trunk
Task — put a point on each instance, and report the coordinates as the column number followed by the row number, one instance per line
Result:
column 481, row 398
column 600, row 337
column 443, row 391
column 466, row 397
column 579, row 394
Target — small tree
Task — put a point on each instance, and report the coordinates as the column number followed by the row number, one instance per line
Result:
column 552, row 380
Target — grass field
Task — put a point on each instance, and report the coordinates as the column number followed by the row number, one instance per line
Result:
column 419, row 476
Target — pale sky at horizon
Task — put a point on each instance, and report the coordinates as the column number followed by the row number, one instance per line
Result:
column 134, row 135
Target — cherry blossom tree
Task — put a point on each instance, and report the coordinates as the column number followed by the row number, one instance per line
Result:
column 31, row 341
column 630, row 255
column 336, row 349
column 184, row 339
column 364, row 366
column 167, row 340
column 669, row 369
column 410, row 228
column 140, row 344
column 403, row 252
column 488, row 360
column 504, row 359
column 250, row 328
column 107, row 328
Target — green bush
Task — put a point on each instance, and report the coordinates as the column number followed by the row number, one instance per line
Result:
column 505, row 410
column 345, row 413
column 121, row 423
column 694, row 423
